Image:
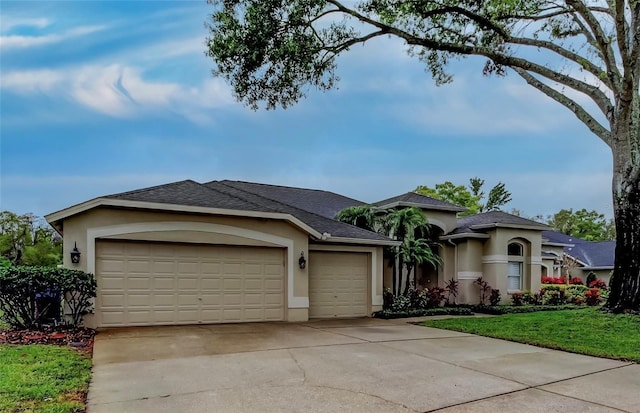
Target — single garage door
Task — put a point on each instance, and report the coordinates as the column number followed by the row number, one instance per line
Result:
column 338, row 284
column 145, row 283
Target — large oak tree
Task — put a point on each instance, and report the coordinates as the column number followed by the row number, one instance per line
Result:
column 272, row 50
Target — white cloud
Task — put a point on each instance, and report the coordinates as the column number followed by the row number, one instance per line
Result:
column 120, row 91
column 13, row 41
column 8, row 22
column 31, row 81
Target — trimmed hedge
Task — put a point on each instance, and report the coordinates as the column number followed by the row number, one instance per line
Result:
column 388, row 314
column 509, row 309
column 29, row 296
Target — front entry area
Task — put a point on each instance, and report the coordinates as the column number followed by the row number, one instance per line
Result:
column 153, row 283
column 338, row 284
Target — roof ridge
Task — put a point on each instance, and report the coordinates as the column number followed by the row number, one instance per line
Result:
column 233, row 196
column 296, row 208
column 151, row 188
column 287, row 187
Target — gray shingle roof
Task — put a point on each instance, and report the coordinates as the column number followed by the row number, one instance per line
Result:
column 593, row 254
column 466, row 224
column 423, row 201
column 324, row 203
column 241, row 196
column 188, row 193
column 318, row 222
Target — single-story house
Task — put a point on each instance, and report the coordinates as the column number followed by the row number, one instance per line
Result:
column 231, row 251
column 595, row 257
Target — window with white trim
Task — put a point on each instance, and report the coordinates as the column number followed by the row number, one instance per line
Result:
column 514, row 276
column 515, row 251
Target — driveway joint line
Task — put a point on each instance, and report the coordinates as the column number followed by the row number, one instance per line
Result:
column 582, row 400
column 476, row 400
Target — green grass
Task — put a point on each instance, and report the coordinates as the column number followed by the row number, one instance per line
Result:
column 39, row 378
column 589, row 331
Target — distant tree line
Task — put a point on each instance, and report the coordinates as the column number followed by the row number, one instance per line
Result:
column 28, row 240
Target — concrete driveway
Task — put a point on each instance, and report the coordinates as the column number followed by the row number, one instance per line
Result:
column 360, row 365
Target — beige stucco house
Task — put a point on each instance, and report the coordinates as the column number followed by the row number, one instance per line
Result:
column 230, row 251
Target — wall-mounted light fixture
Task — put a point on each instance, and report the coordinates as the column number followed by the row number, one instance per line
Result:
column 75, row 254
column 301, row 261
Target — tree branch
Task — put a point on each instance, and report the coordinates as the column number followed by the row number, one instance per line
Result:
column 593, row 125
column 592, row 68
column 603, row 45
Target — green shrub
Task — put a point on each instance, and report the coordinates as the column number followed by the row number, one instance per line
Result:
column 554, row 297
column 22, row 289
column 495, row 297
column 510, row 309
column 389, row 314
column 532, row 298
column 517, row 299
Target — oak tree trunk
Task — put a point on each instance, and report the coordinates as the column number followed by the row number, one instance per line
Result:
column 625, row 283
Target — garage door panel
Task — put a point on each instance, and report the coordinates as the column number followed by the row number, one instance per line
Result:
column 163, row 283
column 232, row 284
column 232, row 315
column 338, row 284
column 210, row 268
column 115, row 300
column 164, row 316
column 211, row 299
column 163, row 300
column 113, row 318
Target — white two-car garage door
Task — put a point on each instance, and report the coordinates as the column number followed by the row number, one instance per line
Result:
column 338, row 284
column 146, row 283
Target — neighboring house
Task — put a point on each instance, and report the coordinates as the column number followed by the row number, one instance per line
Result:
column 595, row 257
column 231, row 251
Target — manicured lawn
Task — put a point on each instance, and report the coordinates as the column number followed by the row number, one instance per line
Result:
column 42, row 378
column 588, row 331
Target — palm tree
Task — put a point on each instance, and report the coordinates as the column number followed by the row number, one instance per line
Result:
column 415, row 252
column 402, row 224
column 362, row 216
column 407, row 225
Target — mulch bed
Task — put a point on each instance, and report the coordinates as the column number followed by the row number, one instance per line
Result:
column 80, row 338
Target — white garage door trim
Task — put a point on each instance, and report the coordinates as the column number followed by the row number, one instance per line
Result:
column 376, row 299
column 159, row 283
column 97, row 232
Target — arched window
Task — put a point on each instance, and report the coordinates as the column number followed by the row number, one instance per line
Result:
column 515, row 251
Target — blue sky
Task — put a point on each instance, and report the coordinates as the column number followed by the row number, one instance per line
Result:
column 104, row 97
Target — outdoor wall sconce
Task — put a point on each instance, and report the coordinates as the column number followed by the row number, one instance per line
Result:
column 301, row 261
column 75, row 254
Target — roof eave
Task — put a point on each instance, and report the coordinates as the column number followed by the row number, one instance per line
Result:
column 514, row 226
column 361, row 241
column 465, row 235
column 423, row 206
column 557, row 244
column 596, row 268
column 57, row 217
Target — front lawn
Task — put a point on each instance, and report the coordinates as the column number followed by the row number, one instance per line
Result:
column 588, row 331
column 43, row 378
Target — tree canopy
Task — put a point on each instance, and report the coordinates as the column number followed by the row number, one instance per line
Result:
column 472, row 198
column 583, row 54
column 28, row 240
column 587, row 225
